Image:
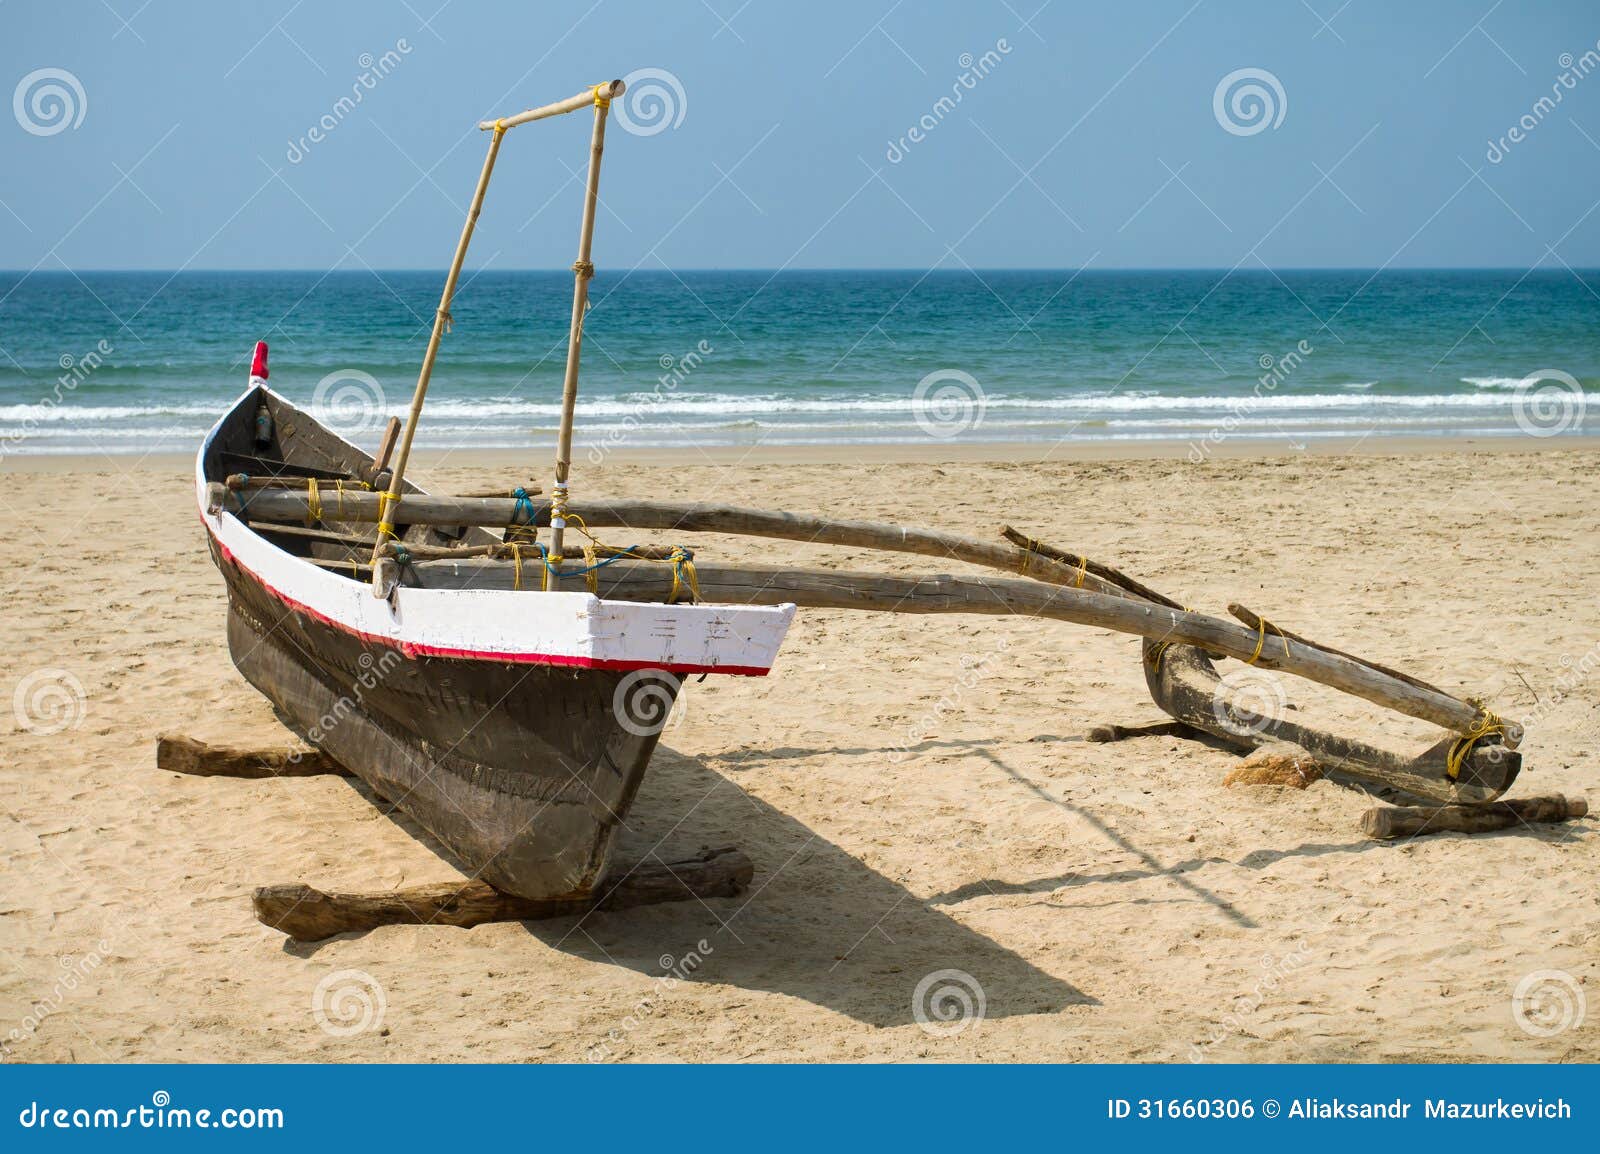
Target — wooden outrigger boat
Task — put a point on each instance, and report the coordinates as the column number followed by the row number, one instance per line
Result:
column 507, row 692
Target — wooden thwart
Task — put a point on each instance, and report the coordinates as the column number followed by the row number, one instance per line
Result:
column 308, row 915
column 1385, row 822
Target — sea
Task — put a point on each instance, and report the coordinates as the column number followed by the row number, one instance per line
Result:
column 136, row 363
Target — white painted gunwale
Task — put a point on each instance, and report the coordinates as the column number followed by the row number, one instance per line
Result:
column 562, row 629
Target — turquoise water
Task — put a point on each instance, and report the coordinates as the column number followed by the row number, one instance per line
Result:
column 140, row 362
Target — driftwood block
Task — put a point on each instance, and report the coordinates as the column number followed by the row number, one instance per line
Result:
column 1384, row 822
column 308, row 915
column 186, row 755
column 1277, row 763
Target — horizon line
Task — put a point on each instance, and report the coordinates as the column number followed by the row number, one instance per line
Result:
column 1080, row 269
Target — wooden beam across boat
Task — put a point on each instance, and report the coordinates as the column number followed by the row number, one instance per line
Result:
column 691, row 517
column 893, row 593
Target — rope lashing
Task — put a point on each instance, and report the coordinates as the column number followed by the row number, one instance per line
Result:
column 1033, row 547
column 1487, row 724
column 527, row 531
column 591, row 568
column 583, row 268
column 1083, row 570
column 386, row 504
column 682, row 562
column 516, row 562
column 449, row 321
column 499, row 128
column 602, row 100
column 1162, row 647
column 1262, row 625
column 313, row 502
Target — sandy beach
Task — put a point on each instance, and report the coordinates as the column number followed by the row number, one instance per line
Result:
column 915, row 793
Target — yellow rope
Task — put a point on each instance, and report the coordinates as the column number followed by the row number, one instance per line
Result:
column 386, row 504
column 1083, row 570
column 591, row 578
column 516, row 561
column 1027, row 555
column 1487, row 724
column 313, row 502
column 682, row 562
column 1162, row 647
column 1262, row 625
column 600, row 101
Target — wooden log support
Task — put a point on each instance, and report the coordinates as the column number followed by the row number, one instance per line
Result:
column 308, row 915
column 1383, row 823
column 186, row 755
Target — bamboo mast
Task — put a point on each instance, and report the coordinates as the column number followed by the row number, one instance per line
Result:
column 582, row 272
column 600, row 96
column 388, row 502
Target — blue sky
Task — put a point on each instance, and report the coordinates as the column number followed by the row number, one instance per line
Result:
column 1098, row 134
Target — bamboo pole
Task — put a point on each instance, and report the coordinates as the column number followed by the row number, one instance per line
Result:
column 582, row 272
column 994, row 596
column 390, row 499
column 570, row 104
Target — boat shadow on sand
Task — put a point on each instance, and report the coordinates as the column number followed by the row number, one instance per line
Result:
column 816, row 923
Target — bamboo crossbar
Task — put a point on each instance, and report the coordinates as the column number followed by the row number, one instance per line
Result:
column 571, row 104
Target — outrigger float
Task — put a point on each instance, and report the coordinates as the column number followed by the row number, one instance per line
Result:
column 507, row 691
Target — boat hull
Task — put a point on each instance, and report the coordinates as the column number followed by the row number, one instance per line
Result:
column 515, row 727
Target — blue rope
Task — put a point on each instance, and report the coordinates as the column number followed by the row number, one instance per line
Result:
column 523, row 506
